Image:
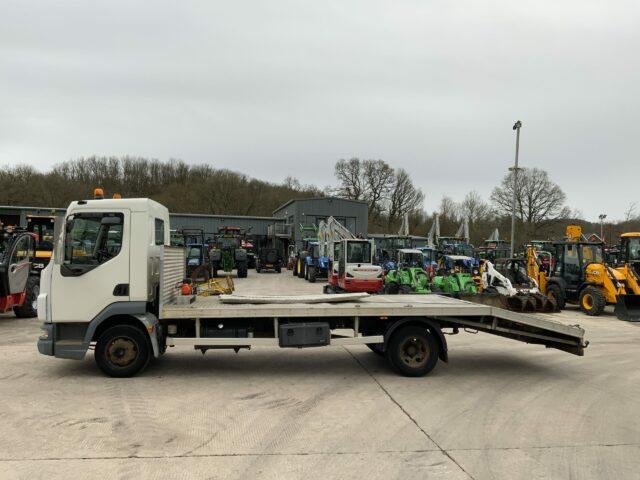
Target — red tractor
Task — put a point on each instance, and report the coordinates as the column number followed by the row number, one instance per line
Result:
column 19, row 283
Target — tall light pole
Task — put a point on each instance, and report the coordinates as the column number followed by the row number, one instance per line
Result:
column 602, row 216
column 514, row 169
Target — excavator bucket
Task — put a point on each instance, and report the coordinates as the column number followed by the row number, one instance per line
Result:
column 526, row 303
column 628, row 308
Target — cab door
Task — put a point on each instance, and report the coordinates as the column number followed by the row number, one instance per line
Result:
column 20, row 263
column 91, row 269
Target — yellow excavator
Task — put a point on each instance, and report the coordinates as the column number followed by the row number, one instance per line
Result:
column 578, row 274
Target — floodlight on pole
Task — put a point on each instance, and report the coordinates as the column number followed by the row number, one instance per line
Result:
column 514, row 169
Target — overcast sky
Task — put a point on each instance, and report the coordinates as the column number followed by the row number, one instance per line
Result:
column 277, row 88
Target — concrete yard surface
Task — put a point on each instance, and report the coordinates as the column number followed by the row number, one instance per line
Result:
column 500, row 409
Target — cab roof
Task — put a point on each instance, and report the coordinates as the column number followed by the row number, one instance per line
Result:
column 631, row 235
column 133, row 204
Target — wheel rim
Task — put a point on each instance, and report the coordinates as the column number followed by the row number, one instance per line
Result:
column 414, row 352
column 122, row 352
column 587, row 301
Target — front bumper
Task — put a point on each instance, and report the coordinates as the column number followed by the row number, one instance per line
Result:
column 45, row 342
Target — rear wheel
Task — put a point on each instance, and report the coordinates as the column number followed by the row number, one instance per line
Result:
column 301, row 268
column 592, row 301
column 29, row 308
column 555, row 292
column 258, row 268
column 122, row 351
column 242, row 270
column 412, row 351
column 278, row 268
column 312, row 274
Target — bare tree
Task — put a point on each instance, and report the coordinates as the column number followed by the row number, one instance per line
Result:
column 630, row 212
column 474, row 208
column 379, row 182
column 538, row 199
column 405, row 197
column 350, row 176
column 292, row 183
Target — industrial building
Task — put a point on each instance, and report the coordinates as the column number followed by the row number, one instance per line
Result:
column 279, row 230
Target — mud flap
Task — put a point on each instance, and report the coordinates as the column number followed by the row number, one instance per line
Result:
column 628, row 308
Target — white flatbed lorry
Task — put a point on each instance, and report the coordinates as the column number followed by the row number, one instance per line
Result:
column 113, row 285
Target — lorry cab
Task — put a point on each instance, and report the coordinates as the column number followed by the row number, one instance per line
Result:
column 94, row 271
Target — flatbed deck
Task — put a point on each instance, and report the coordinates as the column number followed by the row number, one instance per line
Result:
column 449, row 312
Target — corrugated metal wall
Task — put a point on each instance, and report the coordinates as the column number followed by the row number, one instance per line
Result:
column 352, row 214
column 211, row 223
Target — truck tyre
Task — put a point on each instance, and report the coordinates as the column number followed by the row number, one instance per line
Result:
column 592, row 301
column 555, row 292
column 122, row 351
column 29, row 307
column 311, row 276
column 242, row 270
column 377, row 348
column 258, row 267
column 301, row 268
column 412, row 351
column 278, row 268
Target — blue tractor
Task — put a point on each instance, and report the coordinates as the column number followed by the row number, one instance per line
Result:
column 315, row 265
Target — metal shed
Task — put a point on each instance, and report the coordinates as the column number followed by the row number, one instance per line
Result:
column 353, row 214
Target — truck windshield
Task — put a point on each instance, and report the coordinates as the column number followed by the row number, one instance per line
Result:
column 358, row 252
column 194, row 251
column 92, row 239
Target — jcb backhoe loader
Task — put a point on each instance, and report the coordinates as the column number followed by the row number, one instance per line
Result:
column 579, row 275
column 628, row 306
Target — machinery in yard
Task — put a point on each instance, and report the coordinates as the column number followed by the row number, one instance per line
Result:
column 268, row 259
column 580, row 275
column 133, row 305
column 493, row 248
column 628, row 306
column 316, row 265
column 309, row 236
column 19, row 282
column 351, row 267
column 43, row 227
column 227, row 254
column 456, row 275
column 198, row 260
column 409, row 276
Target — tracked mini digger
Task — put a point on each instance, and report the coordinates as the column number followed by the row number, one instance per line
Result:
column 19, row 283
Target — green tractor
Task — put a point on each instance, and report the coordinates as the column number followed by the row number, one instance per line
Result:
column 409, row 276
column 455, row 276
column 228, row 254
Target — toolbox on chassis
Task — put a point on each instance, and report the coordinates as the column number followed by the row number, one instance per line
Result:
column 113, row 286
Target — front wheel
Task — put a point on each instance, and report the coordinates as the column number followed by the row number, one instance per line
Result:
column 312, row 274
column 29, row 307
column 592, row 301
column 122, row 351
column 412, row 351
column 555, row 292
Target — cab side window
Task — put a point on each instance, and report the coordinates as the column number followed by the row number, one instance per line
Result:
column 159, row 232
